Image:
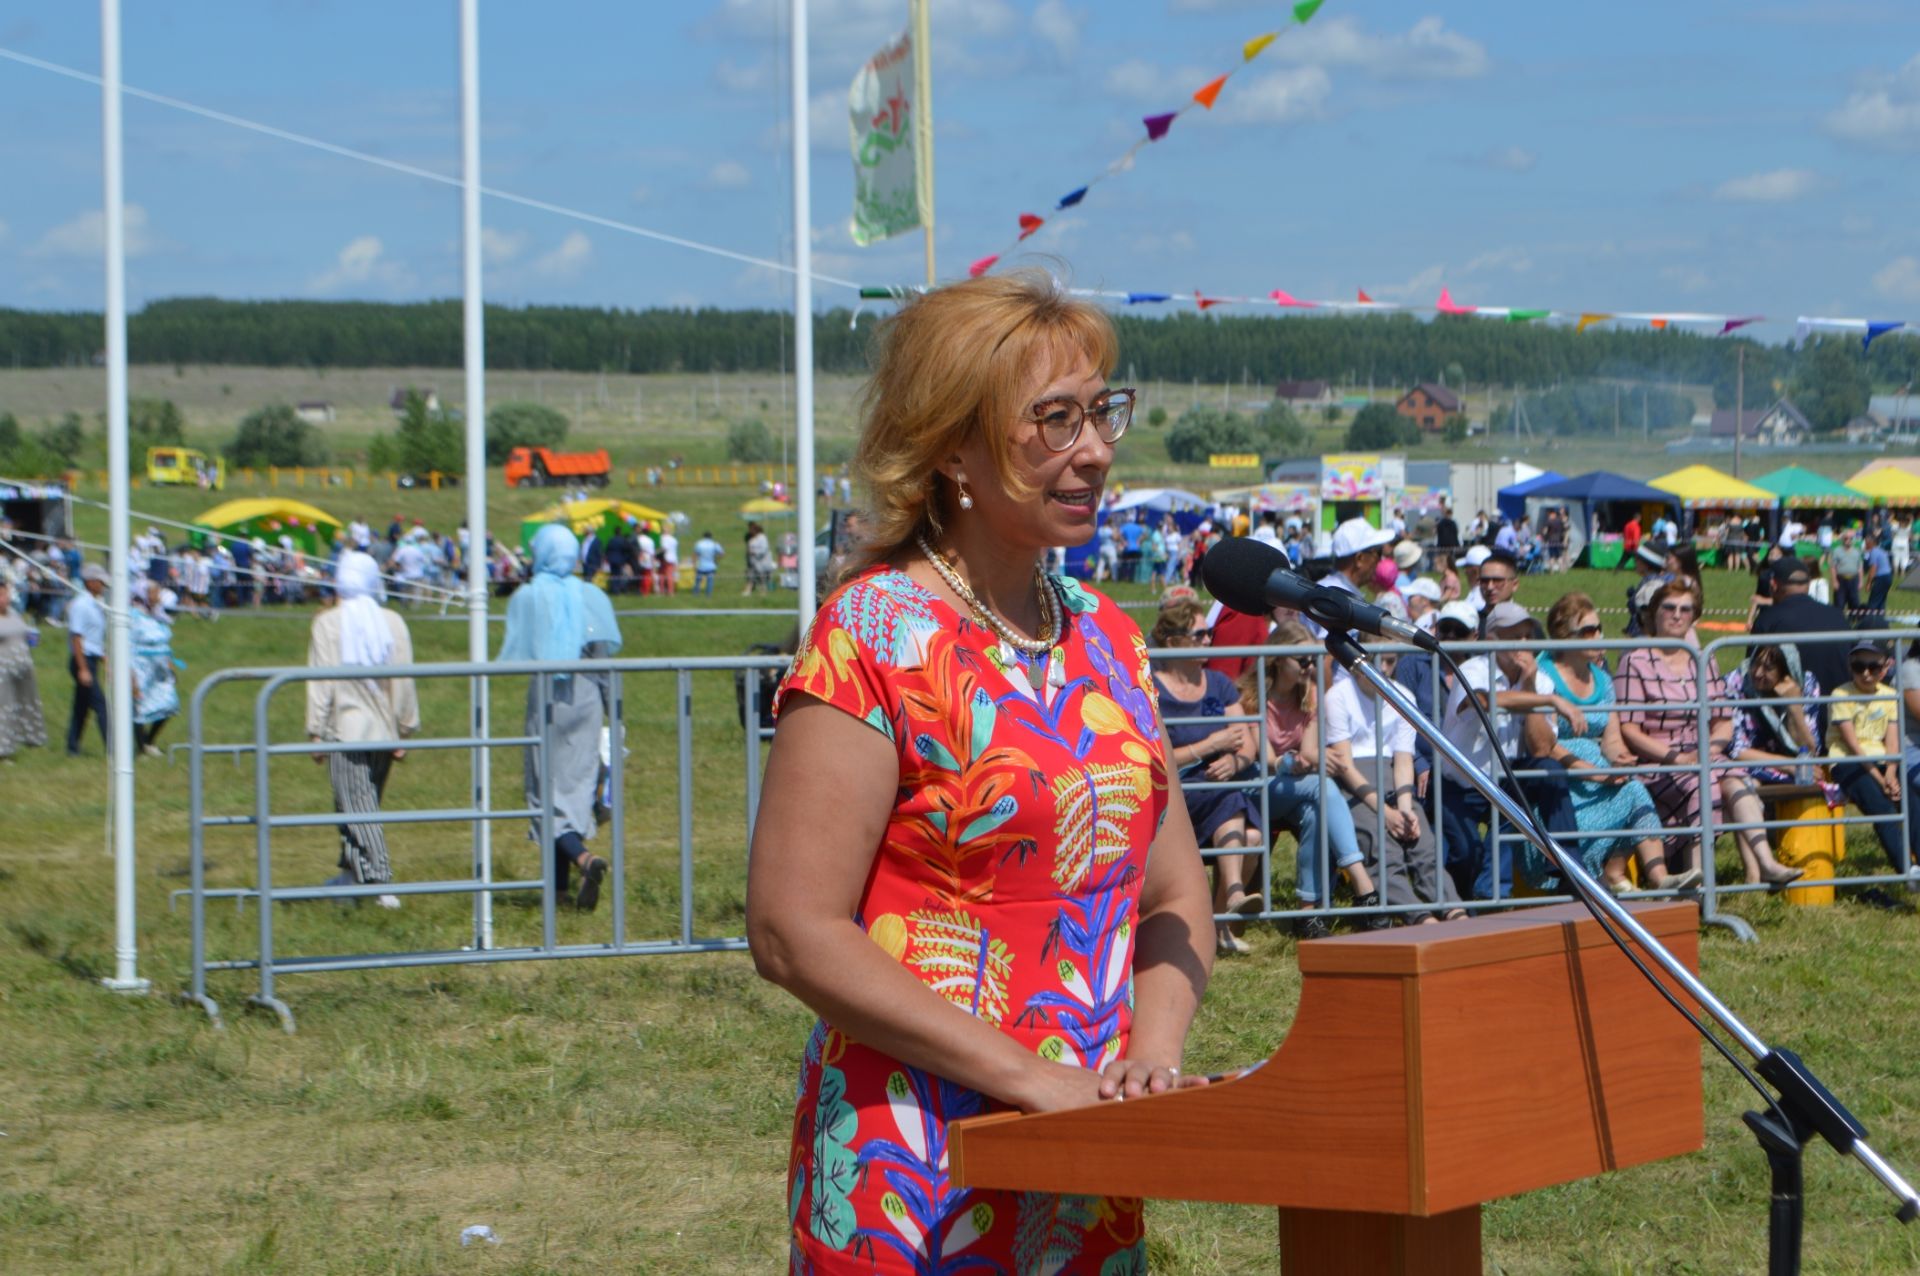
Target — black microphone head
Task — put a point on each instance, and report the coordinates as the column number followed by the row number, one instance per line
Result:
column 1236, row 571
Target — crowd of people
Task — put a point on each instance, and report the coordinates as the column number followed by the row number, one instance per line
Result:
column 1608, row 751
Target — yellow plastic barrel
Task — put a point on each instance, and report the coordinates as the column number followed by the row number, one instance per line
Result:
column 1817, row 848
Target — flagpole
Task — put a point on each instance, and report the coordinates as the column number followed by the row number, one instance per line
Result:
column 126, row 950
column 923, row 125
column 474, row 357
column 803, row 313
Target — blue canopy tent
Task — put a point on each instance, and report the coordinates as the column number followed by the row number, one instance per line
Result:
column 1512, row 501
column 1600, row 493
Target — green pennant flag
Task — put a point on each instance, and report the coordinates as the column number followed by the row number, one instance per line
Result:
column 1306, row 9
column 1526, row 316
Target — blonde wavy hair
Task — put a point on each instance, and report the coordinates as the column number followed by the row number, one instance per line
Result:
column 952, row 366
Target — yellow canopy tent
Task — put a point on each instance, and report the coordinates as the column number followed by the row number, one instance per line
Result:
column 766, row 507
column 1888, row 486
column 600, row 516
column 1701, row 487
column 270, row 518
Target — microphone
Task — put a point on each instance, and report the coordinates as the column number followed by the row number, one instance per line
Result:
column 1254, row 578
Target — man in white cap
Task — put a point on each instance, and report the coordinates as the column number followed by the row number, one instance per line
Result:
column 1406, row 557
column 1423, row 601
column 1417, row 671
column 86, row 658
column 1470, row 564
column 1356, row 556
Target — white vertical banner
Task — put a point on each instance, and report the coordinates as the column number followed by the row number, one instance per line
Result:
column 882, row 114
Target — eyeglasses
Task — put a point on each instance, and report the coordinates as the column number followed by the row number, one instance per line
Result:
column 1060, row 419
column 1866, row 666
column 1678, row 609
column 1200, row 635
column 1496, row 580
column 1589, row 631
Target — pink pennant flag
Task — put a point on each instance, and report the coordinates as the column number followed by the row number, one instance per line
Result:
column 1364, row 299
column 1447, row 306
column 1029, row 223
column 1731, row 324
column 1202, row 301
column 1157, row 125
column 982, row 266
column 1282, row 297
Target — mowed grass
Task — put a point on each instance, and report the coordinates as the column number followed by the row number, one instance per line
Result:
column 632, row 1114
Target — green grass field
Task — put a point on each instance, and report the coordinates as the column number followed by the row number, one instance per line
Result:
column 632, row 1114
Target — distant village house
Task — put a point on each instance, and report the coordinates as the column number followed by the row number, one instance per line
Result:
column 1428, row 405
column 315, row 412
column 1781, row 425
column 1304, row 393
column 399, row 401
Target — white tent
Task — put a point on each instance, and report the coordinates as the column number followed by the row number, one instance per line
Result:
column 1160, row 500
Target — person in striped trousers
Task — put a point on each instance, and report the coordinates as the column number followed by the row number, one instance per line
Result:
column 356, row 631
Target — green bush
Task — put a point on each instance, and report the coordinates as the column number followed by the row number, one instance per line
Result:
column 1378, row 426
column 521, row 424
column 428, row 441
column 275, row 435
column 1203, row 432
column 750, row 440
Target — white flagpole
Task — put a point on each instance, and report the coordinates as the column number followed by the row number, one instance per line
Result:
column 923, row 125
column 476, row 439
column 126, row 952
column 803, row 311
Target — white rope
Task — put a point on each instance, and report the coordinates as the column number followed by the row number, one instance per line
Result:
column 412, row 170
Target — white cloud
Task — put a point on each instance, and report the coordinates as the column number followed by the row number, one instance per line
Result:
column 642, row 194
column 1899, row 279
column 1058, row 26
column 1776, row 187
column 363, row 263
column 1279, row 97
column 1425, row 51
column 1883, row 111
column 1507, row 159
column 498, row 247
column 728, row 175
column 1687, row 278
column 1270, row 97
column 86, row 235
column 1515, row 260
column 741, row 79
column 567, row 259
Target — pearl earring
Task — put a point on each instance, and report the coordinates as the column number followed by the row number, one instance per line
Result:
column 966, row 501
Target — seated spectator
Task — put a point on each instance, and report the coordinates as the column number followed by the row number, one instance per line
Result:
column 1370, row 756
column 1295, row 798
column 1580, row 676
column 1504, row 682
column 1208, row 752
column 1767, row 739
column 1417, row 670
column 1660, row 688
column 1789, row 609
column 1423, row 602
column 1498, row 581
column 1863, row 731
column 1651, row 564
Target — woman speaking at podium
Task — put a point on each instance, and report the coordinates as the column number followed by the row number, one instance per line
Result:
column 969, row 857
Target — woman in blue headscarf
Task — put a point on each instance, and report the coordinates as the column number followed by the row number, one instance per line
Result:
column 557, row 616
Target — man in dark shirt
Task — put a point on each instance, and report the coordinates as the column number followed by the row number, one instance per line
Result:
column 1794, row 611
column 1446, row 532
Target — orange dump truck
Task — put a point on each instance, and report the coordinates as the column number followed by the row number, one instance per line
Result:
column 541, row 467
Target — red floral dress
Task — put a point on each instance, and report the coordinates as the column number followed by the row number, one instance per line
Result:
column 1008, row 881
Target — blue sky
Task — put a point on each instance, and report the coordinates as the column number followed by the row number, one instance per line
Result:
column 1715, row 155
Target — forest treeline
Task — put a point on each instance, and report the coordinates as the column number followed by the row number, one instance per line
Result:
column 1381, row 350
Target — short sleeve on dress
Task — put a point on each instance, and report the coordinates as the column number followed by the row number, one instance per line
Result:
column 867, row 633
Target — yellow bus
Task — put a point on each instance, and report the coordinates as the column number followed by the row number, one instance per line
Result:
column 185, row 467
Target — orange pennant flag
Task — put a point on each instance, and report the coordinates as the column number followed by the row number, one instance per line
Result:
column 1209, row 91
column 1254, row 47
column 1030, row 223
column 1365, row 300
column 1588, row 320
column 1204, row 301
column 1658, row 324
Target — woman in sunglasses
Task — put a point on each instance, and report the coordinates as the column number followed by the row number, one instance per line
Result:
column 1768, row 738
column 970, row 860
column 1659, row 686
column 1599, row 802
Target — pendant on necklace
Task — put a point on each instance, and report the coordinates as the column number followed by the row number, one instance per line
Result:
column 1037, row 671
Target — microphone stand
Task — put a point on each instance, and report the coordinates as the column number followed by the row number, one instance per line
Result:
column 1807, row 1106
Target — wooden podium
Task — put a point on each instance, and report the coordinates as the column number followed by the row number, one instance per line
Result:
column 1429, row 1069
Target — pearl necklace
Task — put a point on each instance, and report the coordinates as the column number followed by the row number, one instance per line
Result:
column 1049, row 615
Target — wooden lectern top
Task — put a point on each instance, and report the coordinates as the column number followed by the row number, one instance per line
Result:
column 1428, row 1069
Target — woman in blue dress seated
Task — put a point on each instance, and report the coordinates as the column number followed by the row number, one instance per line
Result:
column 1608, row 802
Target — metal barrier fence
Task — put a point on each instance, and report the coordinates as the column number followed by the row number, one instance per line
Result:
column 482, row 885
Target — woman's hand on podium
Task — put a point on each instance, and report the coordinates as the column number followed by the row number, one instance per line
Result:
column 1134, row 1078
